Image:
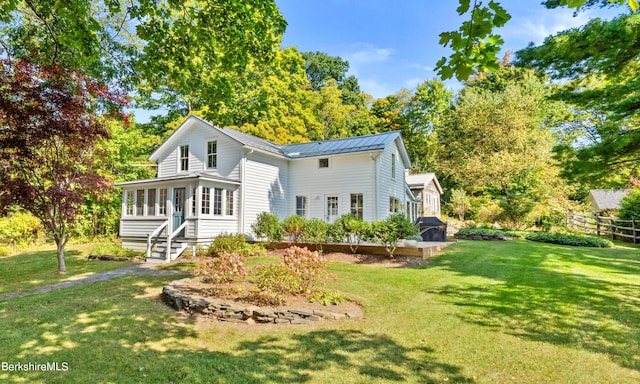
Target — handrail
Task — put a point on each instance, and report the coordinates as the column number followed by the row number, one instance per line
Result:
column 170, row 237
column 155, row 234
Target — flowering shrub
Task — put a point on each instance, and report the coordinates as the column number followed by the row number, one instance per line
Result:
column 310, row 267
column 224, row 268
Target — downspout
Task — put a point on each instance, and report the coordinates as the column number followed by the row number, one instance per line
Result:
column 374, row 179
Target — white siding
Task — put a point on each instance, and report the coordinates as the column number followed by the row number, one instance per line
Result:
column 345, row 175
column 266, row 184
column 210, row 228
column 389, row 186
column 229, row 153
column 139, row 226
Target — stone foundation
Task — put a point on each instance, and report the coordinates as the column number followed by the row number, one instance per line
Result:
column 238, row 312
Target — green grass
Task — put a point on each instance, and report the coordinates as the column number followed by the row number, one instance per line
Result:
column 37, row 268
column 485, row 312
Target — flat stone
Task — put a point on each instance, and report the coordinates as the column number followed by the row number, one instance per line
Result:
column 264, row 319
column 264, row 312
column 301, row 312
column 339, row 316
column 299, row 321
column 250, row 321
column 314, row 318
column 283, row 321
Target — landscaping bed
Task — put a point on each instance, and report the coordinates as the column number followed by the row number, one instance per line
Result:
column 196, row 296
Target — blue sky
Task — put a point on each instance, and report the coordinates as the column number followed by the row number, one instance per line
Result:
column 393, row 44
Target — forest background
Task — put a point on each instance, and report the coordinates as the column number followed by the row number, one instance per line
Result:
column 521, row 143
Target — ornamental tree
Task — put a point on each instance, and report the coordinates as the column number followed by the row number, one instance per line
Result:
column 49, row 128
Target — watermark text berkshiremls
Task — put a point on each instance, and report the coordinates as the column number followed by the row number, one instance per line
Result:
column 48, row 366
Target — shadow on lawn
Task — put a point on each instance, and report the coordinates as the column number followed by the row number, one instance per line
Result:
column 578, row 297
column 117, row 331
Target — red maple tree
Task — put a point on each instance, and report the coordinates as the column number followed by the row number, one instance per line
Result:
column 50, row 121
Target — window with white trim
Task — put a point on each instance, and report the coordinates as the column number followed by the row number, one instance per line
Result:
column 162, row 202
column 129, row 203
column 217, row 201
column 184, row 158
column 206, row 200
column 212, row 154
column 357, row 205
column 229, row 203
column 301, row 206
column 393, row 165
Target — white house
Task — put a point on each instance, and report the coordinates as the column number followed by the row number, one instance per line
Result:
column 427, row 189
column 212, row 180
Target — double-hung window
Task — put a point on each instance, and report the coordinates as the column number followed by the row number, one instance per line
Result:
column 212, row 154
column 357, row 205
column 217, row 201
column 301, row 206
column 184, row 158
column 229, row 203
column 206, row 200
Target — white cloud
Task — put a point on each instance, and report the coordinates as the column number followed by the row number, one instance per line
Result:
column 375, row 88
column 537, row 26
column 368, row 53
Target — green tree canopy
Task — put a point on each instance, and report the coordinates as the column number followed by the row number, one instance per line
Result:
column 497, row 142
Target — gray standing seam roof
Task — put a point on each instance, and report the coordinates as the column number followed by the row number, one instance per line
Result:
column 338, row 146
column 253, row 141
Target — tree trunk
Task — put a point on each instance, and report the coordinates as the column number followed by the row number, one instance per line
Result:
column 60, row 243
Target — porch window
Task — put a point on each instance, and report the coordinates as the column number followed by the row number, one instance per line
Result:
column 206, row 200
column 217, row 201
column 129, row 202
column 184, row 158
column 301, row 206
column 357, row 205
column 193, row 200
column 162, row 203
column 212, row 154
column 229, row 207
column 140, row 202
column 151, row 202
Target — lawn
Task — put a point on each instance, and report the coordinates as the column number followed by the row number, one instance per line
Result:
column 485, row 312
column 37, row 268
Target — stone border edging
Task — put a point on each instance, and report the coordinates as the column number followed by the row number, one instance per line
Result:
column 237, row 312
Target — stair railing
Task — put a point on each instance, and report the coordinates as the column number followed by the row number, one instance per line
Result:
column 154, row 236
column 170, row 237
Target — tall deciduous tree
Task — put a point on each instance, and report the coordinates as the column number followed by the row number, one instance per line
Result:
column 48, row 132
column 598, row 65
column 185, row 54
column 497, row 142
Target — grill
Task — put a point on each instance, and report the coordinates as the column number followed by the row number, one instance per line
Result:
column 432, row 229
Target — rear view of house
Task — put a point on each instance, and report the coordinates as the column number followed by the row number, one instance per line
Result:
column 213, row 180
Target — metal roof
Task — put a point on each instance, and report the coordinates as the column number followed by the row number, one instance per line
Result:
column 252, row 141
column 192, row 176
column 347, row 145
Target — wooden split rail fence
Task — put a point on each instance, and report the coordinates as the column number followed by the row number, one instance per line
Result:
column 627, row 230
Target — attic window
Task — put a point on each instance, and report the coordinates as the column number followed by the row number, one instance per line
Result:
column 323, row 163
column 184, row 158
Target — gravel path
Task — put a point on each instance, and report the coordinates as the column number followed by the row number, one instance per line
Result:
column 140, row 269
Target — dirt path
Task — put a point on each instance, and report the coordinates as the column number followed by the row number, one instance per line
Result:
column 137, row 270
